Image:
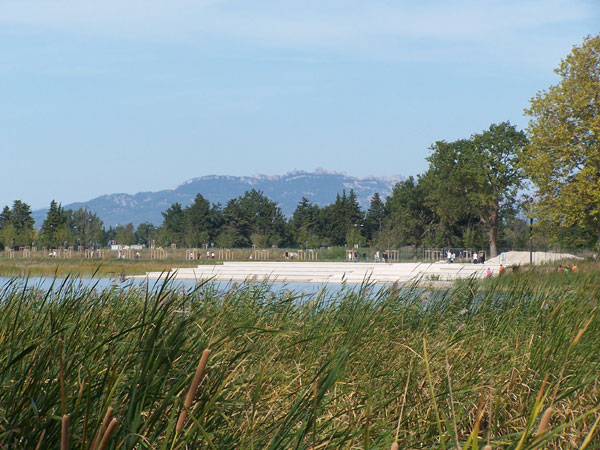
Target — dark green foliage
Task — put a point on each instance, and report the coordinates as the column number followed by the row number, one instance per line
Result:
column 172, row 227
column 193, row 226
column 145, row 234
column 254, row 219
column 67, row 227
column 343, row 220
column 304, row 225
column 16, row 225
column 54, row 230
column 375, row 218
column 201, row 222
column 410, row 218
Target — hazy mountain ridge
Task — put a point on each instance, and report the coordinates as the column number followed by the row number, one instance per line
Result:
column 319, row 187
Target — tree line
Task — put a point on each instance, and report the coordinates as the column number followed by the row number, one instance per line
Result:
column 411, row 216
column 482, row 191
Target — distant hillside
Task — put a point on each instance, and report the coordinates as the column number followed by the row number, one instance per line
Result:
column 319, row 187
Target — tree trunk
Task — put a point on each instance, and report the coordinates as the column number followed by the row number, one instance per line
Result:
column 493, row 224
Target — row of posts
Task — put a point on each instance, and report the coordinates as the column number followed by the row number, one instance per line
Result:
column 214, row 254
column 253, row 254
column 159, row 253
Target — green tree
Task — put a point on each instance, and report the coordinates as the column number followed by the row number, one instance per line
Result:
column 304, row 224
column 173, row 225
column 86, row 228
column 477, row 176
column 253, row 217
column 125, row 234
column 201, row 222
column 563, row 157
column 6, row 229
column 54, row 229
column 145, row 233
column 376, row 217
column 5, row 217
column 343, row 219
column 230, row 237
column 17, row 225
column 410, row 219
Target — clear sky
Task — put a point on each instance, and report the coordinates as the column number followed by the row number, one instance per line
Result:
column 99, row 97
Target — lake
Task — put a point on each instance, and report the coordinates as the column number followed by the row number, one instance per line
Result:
column 45, row 283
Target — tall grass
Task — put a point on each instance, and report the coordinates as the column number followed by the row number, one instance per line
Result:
column 475, row 365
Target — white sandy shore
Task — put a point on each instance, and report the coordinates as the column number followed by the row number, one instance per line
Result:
column 326, row 272
column 336, row 272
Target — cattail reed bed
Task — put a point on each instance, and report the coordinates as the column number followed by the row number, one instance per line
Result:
column 511, row 363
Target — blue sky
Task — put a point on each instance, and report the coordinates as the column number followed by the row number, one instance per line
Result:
column 99, row 97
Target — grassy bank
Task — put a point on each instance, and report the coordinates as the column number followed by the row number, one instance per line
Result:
column 82, row 267
column 481, row 363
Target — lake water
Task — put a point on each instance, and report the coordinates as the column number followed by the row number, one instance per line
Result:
column 45, row 283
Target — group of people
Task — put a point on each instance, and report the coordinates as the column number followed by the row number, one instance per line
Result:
column 568, row 268
column 379, row 257
column 475, row 259
column 209, row 255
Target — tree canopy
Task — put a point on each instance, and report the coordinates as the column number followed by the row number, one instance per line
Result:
column 563, row 157
column 16, row 225
column 477, row 176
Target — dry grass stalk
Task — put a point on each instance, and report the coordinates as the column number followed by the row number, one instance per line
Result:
column 542, row 389
column 544, row 422
column 61, row 369
column 403, row 401
column 108, row 434
column 64, row 435
column 100, row 432
column 39, row 444
column 583, row 330
column 192, row 390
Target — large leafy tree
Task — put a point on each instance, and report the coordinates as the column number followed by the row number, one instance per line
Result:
column 478, row 176
column 563, row 158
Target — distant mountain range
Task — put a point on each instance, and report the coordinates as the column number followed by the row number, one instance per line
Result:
column 320, row 187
